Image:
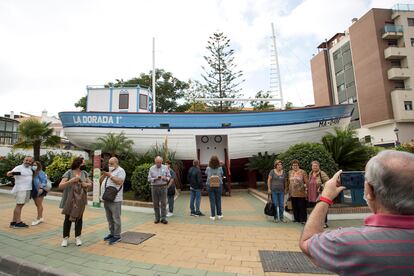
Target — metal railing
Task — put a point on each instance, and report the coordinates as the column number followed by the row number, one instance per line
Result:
column 403, row 7
column 391, row 28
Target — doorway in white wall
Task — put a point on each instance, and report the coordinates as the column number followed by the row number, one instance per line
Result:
column 208, row 145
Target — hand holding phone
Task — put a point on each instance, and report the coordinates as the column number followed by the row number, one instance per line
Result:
column 16, row 173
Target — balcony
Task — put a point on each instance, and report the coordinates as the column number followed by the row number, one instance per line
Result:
column 392, row 31
column 394, row 52
column 398, row 73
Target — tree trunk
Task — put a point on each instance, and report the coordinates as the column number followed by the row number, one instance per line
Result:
column 36, row 150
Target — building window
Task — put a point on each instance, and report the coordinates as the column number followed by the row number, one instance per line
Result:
column 341, row 87
column 395, row 63
column 123, row 100
column 408, row 105
column 143, row 101
column 410, row 21
column 412, row 42
column 350, row 84
column 399, row 84
column 392, row 42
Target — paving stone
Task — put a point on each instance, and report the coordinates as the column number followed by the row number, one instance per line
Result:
column 76, row 260
column 37, row 259
column 55, row 263
column 165, row 268
column 141, row 265
column 191, row 272
column 212, row 273
column 91, row 271
column 141, row 272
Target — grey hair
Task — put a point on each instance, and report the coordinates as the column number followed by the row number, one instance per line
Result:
column 391, row 174
column 315, row 162
column 196, row 162
column 158, row 158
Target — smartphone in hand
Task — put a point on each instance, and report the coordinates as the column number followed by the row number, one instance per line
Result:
column 352, row 179
column 16, row 173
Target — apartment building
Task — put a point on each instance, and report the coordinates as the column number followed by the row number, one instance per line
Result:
column 371, row 64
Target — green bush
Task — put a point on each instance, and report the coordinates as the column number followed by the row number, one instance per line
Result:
column 47, row 159
column 408, row 147
column 58, row 167
column 139, row 182
column 8, row 163
column 306, row 153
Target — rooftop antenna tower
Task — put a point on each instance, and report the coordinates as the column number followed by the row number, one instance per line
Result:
column 275, row 81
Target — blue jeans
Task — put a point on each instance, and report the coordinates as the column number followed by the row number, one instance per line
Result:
column 278, row 201
column 170, row 199
column 215, row 201
column 195, row 195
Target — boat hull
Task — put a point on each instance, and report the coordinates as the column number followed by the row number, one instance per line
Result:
column 246, row 133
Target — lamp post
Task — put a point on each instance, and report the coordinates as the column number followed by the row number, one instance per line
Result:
column 396, row 130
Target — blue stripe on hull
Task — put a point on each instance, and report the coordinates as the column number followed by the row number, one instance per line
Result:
column 327, row 115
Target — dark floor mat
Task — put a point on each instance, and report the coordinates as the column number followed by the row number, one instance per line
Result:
column 135, row 237
column 287, row 261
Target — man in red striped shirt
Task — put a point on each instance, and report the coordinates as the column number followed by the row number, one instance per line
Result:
column 385, row 245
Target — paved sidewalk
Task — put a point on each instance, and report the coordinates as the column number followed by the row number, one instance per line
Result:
column 186, row 246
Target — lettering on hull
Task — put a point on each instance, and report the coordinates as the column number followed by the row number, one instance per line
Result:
column 96, row 119
column 325, row 123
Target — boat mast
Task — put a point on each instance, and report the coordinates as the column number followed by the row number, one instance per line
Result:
column 153, row 76
column 275, row 80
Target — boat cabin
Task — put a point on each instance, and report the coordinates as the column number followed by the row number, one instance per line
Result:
column 119, row 99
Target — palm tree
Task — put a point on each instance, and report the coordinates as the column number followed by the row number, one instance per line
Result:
column 34, row 134
column 346, row 149
column 114, row 144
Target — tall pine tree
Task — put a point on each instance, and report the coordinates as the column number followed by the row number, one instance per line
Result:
column 221, row 77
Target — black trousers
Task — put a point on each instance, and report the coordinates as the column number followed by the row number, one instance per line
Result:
column 312, row 205
column 67, row 224
column 299, row 209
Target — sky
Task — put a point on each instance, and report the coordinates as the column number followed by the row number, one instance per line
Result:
column 50, row 50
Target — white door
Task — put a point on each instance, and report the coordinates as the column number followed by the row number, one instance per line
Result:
column 209, row 145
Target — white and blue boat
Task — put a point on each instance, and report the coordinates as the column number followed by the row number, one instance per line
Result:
column 231, row 136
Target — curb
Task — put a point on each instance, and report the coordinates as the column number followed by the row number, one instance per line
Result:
column 16, row 266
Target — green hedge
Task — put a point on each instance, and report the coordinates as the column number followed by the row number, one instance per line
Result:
column 139, row 182
column 58, row 167
column 306, row 153
column 8, row 163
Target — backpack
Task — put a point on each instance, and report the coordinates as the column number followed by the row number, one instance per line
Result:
column 214, row 181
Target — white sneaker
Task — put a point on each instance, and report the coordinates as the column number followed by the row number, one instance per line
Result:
column 65, row 242
column 220, row 217
column 37, row 221
column 78, row 241
column 213, row 218
column 170, row 214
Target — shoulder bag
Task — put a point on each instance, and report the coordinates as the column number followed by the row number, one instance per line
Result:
column 110, row 192
column 269, row 209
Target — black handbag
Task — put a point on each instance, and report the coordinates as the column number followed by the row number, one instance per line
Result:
column 269, row 209
column 110, row 192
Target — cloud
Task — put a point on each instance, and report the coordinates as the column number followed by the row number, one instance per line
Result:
column 52, row 49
